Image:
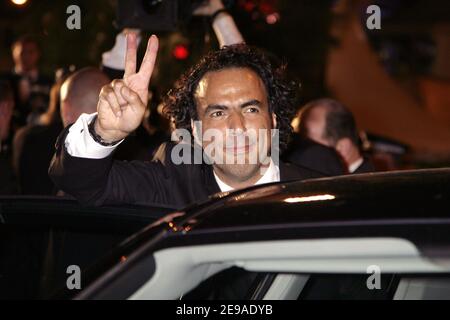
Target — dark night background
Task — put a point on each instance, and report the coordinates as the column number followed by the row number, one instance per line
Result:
column 300, row 37
column 405, row 45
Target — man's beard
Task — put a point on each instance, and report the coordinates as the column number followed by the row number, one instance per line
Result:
column 239, row 172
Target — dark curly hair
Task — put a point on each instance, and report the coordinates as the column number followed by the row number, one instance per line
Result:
column 180, row 105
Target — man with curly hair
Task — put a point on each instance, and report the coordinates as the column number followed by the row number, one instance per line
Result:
column 232, row 91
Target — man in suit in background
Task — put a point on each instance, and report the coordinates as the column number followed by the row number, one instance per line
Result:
column 307, row 153
column 330, row 123
column 34, row 144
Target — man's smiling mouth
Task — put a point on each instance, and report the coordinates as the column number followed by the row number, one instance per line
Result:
column 239, row 149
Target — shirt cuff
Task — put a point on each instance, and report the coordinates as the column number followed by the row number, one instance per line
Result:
column 79, row 143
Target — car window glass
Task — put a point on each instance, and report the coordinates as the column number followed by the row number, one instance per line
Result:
column 230, row 284
column 389, row 287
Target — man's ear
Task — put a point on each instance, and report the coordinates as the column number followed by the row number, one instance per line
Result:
column 274, row 120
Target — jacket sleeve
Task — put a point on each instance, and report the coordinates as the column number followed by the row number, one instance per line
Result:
column 107, row 181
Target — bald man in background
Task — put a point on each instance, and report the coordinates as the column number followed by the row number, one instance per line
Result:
column 79, row 93
column 330, row 123
column 34, row 144
column 30, row 85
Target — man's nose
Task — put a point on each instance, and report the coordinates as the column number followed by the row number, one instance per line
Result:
column 237, row 122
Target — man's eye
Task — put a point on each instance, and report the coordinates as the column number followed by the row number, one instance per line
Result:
column 217, row 114
column 252, row 110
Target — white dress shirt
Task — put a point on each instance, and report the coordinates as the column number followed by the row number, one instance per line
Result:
column 355, row 165
column 272, row 174
column 79, row 142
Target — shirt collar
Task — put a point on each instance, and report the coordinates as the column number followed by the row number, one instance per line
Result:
column 272, row 174
column 355, row 165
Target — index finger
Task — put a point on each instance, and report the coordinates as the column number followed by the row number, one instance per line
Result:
column 130, row 57
column 148, row 63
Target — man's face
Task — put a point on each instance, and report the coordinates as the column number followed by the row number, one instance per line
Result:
column 234, row 102
column 315, row 125
column 26, row 54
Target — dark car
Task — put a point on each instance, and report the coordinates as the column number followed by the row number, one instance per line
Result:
column 40, row 238
column 368, row 236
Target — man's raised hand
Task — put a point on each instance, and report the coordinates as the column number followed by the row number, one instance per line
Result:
column 122, row 103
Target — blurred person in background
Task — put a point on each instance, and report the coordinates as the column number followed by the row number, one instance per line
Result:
column 31, row 87
column 79, row 93
column 330, row 123
column 7, row 179
column 305, row 152
column 33, row 146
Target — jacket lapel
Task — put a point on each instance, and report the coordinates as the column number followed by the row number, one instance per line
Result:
column 209, row 181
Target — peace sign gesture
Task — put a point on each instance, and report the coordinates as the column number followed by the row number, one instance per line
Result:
column 122, row 103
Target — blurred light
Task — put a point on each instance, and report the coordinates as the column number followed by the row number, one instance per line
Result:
column 123, row 259
column 272, row 18
column 19, row 2
column 266, row 7
column 320, row 197
column 173, row 227
column 249, row 6
column 180, row 52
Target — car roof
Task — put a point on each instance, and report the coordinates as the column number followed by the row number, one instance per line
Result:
column 414, row 194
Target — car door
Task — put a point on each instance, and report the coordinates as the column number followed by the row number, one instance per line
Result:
column 45, row 241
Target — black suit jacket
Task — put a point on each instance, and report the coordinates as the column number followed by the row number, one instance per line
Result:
column 33, row 151
column 366, row 166
column 8, row 184
column 160, row 182
column 310, row 154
